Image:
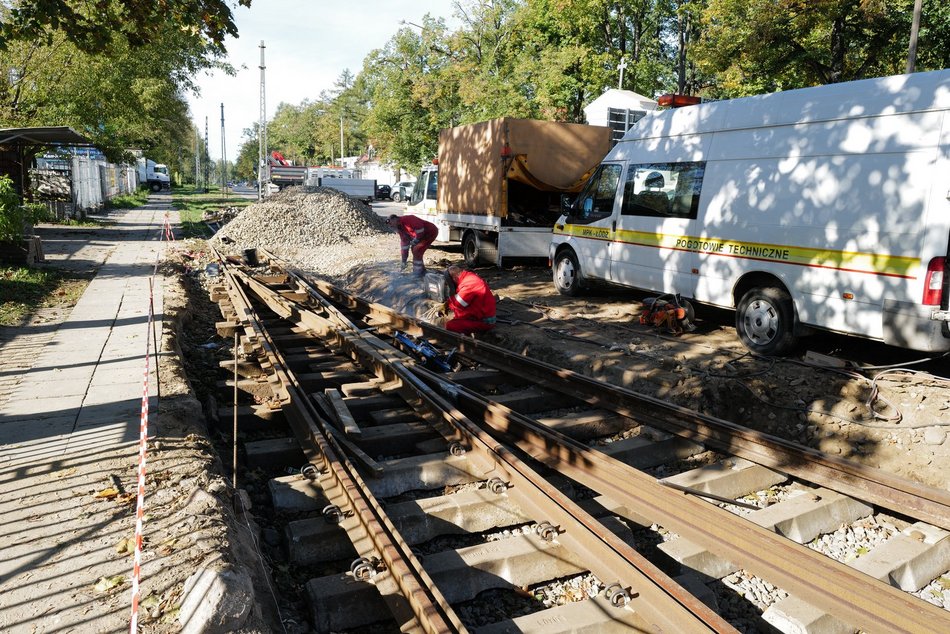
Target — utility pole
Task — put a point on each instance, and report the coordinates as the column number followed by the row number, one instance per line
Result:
column 912, row 48
column 341, row 138
column 208, row 162
column 197, row 159
column 263, row 173
column 224, row 157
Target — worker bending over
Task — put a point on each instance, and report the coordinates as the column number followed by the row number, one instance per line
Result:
column 415, row 234
column 472, row 303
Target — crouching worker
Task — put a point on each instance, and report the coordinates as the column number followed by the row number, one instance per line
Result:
column 415, row 235
column 472, row 303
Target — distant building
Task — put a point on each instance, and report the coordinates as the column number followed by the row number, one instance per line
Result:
column 618, row 110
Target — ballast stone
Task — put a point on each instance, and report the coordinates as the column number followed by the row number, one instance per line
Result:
column 216, row 601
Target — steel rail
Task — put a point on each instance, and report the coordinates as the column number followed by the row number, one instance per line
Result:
column 821, row 581
column 842, row 591
column 870, row 484
column 662, row 604
column 412, row 597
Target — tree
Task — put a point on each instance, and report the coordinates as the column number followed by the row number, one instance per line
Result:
column 412, row 93
column 757, row 46
column 93, row 27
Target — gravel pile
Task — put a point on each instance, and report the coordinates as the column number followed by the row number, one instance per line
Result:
column 301, row 218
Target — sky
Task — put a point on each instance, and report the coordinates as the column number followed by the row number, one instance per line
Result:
column 308, row 43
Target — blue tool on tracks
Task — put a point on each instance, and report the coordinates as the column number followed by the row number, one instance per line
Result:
column 425, row 352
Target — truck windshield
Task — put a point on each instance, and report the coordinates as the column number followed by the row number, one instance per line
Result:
column 426, row 188
column 161, row 169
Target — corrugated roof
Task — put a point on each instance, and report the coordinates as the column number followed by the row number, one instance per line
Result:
column 53, row 135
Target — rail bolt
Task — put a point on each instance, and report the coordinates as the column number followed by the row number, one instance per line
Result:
column 362, row 569
column 333, row 514
column 457, row 449
column 546, row 531
column 497, row 486
column 617, row 595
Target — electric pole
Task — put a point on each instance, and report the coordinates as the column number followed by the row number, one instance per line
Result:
column 197, row 159
column 263, row 173
column 208, row 162
column 224, row 157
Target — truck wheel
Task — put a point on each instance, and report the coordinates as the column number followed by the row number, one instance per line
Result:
column 156, row 187
column 470, row 249
column 765, row 321
column 567, row 274
column 396, row 197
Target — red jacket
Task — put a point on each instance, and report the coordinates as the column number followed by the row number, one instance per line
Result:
column 472, row 299
column 411, row 227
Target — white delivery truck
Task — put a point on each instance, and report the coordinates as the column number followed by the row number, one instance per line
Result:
column 153, row 175
column 822, row 207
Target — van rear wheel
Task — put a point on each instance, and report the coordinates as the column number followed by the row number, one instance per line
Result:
column 765, row 321
column 567, row 274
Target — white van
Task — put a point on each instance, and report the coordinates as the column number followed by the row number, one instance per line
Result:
column 823, row 207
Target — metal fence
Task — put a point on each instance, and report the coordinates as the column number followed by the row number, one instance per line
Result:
column 81, row 185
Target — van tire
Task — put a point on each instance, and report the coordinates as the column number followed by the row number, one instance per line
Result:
column 765, row 321
column 470, row 249
column 567, row 274
column 396, row 197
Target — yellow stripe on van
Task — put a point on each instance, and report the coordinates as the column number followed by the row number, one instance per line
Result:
column 872, row 263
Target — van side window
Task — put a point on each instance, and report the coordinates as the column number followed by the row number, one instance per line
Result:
column 596, row 200
column 663, row 189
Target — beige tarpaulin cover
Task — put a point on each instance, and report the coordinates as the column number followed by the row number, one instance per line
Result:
column 546, row 155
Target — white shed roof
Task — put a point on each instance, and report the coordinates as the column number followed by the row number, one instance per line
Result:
column 616, row 98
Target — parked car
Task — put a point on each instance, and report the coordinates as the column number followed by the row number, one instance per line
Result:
column 401, row 191
column 383, row 192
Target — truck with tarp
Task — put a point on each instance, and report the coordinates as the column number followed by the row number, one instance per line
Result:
column 496, row 186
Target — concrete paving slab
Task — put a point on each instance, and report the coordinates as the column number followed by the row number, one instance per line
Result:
column 42, row 389
column 39, row 408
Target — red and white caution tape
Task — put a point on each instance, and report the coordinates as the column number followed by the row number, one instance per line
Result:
column 167, row 235
column 140, row 498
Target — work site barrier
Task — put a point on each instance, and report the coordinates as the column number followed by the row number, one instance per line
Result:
column 150, row 338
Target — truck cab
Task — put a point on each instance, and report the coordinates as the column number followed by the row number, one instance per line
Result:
column 424, row 197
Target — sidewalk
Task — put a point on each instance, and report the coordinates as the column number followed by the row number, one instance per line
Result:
column 70, row 429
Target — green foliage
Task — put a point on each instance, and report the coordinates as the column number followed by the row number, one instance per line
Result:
column 133, row 200
column 756, row 46
column 94, row 26
column 23, row 290
column 13, row 215
column 192, row 206
column 123, row 96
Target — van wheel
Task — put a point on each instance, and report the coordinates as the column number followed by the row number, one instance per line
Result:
column 764, row 321
column 396, row 197
column 470, row 249
column 567, row 274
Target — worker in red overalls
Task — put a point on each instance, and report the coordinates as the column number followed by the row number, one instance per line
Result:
column 472, row 303
column 415, row 234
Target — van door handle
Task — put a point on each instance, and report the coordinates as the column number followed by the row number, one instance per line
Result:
column 613, row 227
